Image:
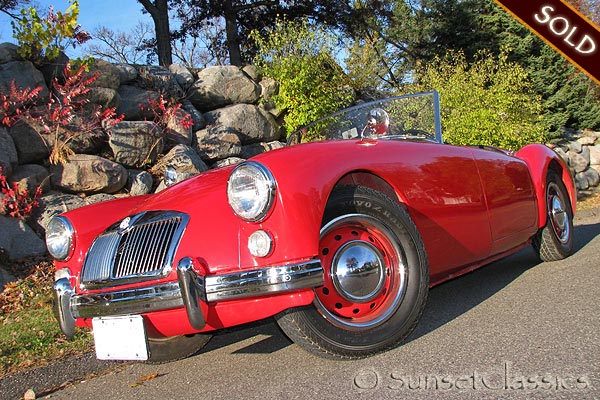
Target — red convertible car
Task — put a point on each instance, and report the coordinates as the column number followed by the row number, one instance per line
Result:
column 339, row 239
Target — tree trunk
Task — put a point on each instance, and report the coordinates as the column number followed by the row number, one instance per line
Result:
column 231, row 29
column 160, row 15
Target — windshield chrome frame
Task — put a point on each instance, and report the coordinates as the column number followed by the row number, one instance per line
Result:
column 436, row 112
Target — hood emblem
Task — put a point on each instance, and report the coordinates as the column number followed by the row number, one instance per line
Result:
column 125, row 224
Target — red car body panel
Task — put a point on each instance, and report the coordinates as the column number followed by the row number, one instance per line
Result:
column 470, row 206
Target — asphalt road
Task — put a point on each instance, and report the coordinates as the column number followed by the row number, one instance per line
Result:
column 513, row 329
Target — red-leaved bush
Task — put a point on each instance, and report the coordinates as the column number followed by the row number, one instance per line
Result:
column 165, row 111
column 17, row 202
column 16, row 103
column 56, row 118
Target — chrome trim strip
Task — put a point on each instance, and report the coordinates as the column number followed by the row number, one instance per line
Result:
column 134, row 301
column 189, row 290
column 264, row 281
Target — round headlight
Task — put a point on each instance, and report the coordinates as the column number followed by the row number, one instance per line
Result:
column 251, row 190
column 59, row 237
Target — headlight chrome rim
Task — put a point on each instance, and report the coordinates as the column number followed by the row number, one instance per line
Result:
column 256, row 213
column 60, row 238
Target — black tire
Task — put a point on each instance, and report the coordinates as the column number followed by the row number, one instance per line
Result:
column 376, row 279
column 555, row 240
column 172, row 348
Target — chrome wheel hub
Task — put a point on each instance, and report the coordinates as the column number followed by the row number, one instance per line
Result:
column 559, row 217
column 365, row 279
column 358, row 271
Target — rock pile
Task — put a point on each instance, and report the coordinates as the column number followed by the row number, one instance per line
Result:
column 229, row 108
column 581, row 151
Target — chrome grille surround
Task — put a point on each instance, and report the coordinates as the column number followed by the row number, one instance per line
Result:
column 135, row 249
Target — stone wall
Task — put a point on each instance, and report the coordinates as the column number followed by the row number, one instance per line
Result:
column 581, row 151
column 232, row 121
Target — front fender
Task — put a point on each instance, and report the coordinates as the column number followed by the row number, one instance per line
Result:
column 539, row 159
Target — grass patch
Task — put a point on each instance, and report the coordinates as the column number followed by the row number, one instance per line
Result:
column 29, row 333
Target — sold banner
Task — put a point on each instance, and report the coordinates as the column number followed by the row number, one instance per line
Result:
column 562, row 27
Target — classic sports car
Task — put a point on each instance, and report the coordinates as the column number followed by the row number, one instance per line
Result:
column 339, row 239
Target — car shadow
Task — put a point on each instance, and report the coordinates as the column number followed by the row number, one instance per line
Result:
column 445, row 303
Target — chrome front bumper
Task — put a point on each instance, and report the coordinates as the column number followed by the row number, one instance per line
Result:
column 189, row 289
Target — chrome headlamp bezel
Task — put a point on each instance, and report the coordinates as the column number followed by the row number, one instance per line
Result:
column 60, row 238
column 251, row 191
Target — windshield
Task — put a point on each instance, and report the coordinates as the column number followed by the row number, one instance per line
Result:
column 414, row 116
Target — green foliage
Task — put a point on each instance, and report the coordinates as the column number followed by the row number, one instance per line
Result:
column 301, row 58
column 488, row 102
column 45, row 37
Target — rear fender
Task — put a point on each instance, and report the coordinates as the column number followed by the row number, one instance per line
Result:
column 540, row 159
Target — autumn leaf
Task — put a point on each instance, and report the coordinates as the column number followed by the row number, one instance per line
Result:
column 146, row 378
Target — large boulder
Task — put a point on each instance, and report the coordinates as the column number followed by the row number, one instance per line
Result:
column 581, row 181
column 595, row 154
column 135, row 143
column 88, row 174
column 269, row 88
column 8, row 52
column 54, row 69
column 18, row 240
column 592, row 176
column 24, row 75
column 183, row 75
column 161, row 80
column 98, row 198
column 255, row 149
column 8, row 153
column 104, row 97
column 580, row 161
column 219, row 86
column 249, row 122
column 127, row 73
column 183, row 158
column 108, row 75
column 54, row 203
column 31, row 176
column 197, row 117
column 139, row 182
column 30, row 144
column 227, row 162
column 178, row 129
column 135, row 103
column 217, row 142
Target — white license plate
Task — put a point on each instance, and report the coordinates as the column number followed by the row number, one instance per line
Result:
column 120, row 338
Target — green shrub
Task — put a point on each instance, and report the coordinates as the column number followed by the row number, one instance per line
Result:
column 43, row 38
column 489, row 102
column 301, row 58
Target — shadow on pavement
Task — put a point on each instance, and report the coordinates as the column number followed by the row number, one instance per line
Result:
column 446, row 301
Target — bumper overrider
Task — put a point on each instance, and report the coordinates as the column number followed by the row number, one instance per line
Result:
column 189, row 289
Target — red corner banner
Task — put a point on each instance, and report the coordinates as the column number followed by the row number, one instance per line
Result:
column 562, row 27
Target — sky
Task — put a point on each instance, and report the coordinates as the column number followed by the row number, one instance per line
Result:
column 118, row 15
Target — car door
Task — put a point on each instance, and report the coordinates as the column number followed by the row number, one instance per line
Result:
column 510, row 198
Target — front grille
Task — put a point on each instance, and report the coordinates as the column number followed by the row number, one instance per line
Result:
column 138, row 248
